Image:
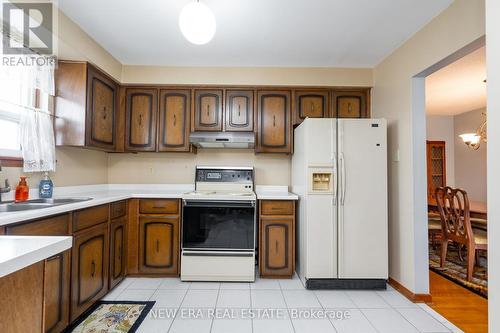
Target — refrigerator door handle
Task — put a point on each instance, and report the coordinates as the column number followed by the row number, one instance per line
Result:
column 343, row 177
column 335, row 182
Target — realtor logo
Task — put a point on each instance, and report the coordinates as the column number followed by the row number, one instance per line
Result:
column 27, row 28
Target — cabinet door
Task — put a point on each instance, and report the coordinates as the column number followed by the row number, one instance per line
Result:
column 273, row 116
column 207, row 110
column 175, row 110
column 350, row 103
column 142, row 108
column 436, row 168
column 117, row 251
column 56, row 292
column 102, row 97
column 276, row 246
column 310, row 103
column 89, row 276
column 159, row 245
column 239, row 108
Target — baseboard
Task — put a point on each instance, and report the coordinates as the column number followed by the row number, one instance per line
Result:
column 415, row 298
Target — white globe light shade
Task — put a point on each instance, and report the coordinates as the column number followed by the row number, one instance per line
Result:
column 197, row 23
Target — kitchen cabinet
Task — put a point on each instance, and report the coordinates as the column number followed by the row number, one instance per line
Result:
column 436, row 168
column 175, row 111
column 277, row 238
column 117, row 251
column 89, row 276
column 207, row 110
column 310, row 103
column 239, row 111
column 21, row 304
column 56, row 274
column 159, row 245
column 274, row 134
column 86, row 107
column 141, row 106
column 351, row 103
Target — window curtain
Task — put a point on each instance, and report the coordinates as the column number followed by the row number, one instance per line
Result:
column 36, row 125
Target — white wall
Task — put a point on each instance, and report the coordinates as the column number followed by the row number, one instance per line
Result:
column 470, row 165
column 441, row 128
column 493, row 74
column 459, row 25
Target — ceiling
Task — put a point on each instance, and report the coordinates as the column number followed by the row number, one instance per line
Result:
column 294, row 33
column 458, row 87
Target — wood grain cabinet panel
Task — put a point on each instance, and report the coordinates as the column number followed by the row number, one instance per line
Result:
column 274, row 123
column 310, row 103
column 175, row 110
column 117, row 251
column 277, row 242
column 239, row 111
column 159, row 245
column 141, row 113
column 86, row 107
column 351, row 103
column 207, row 110
column 89, row 277
column 159, row 206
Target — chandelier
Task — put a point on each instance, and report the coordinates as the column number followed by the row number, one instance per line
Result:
column 473, row 140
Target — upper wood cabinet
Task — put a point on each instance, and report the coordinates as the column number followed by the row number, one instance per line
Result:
column 274, row 133
column 351, row 103
column 86, row 107
column 141, row 113
column 207, row 110
column 239, row 106
column 310, row 103
column 175, row 111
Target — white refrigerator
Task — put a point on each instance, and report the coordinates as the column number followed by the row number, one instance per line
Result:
column 339, row 171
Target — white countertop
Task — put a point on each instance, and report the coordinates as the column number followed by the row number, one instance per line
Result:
column 102, row 194
column 18, row 252
column 265, row 192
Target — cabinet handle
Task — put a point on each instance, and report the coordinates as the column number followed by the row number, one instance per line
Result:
column 349, row 107
column 92, row 268
column 119, row 253
column 239, row 110
column 208, row 110
column 274, row 120
column 175, row 119
column 312, row 107
column 104, row 113
column 158, row 207
column 276, row 245
column 157, row 245
column 140, row 120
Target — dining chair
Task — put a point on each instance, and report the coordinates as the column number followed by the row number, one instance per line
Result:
column 454, row 210
column 434, row 227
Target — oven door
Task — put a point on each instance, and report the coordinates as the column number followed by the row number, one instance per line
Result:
column 218, row 225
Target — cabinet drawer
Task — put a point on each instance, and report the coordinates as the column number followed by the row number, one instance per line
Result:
column 52, row 226
column 118, row 209
column 159, row 206
column 91, row 216
column 276, row 207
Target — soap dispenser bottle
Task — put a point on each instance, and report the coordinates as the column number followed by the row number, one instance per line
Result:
column 22, row 190
column 45, row 188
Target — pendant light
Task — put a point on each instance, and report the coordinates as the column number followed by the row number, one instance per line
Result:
column 197, row 23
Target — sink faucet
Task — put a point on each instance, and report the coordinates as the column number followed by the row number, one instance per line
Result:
column 5, row 189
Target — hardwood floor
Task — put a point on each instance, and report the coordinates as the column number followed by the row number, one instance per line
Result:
column 462, row 307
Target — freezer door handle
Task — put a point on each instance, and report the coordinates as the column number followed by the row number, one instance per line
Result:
column 343, row 179
column 335, row 180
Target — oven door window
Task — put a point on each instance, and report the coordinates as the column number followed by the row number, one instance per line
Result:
column 217, row 227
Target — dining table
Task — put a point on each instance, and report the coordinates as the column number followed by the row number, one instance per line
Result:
column 478, row 212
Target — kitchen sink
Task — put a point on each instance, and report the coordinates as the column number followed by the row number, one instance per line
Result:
column 12, row 206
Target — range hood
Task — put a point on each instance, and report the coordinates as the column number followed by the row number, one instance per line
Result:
column 239, row 140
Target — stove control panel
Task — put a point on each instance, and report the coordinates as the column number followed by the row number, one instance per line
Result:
column 225, row 175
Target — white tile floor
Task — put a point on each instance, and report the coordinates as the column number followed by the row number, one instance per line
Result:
column 278, row 306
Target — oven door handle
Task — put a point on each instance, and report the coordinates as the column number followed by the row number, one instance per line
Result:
column 219, row 204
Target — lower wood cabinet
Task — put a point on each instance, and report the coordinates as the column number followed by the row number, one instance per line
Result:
column 56, row 274
column 117, row 251
column 277, row 239
column 159, row 245
column 89, row 278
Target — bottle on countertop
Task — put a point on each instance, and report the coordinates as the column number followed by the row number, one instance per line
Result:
column 46, row 187
column 22, row 190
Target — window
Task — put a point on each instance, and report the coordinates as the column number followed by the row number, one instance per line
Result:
column 15, row 97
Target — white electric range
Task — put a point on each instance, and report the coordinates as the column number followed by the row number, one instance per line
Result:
column 219, row 226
